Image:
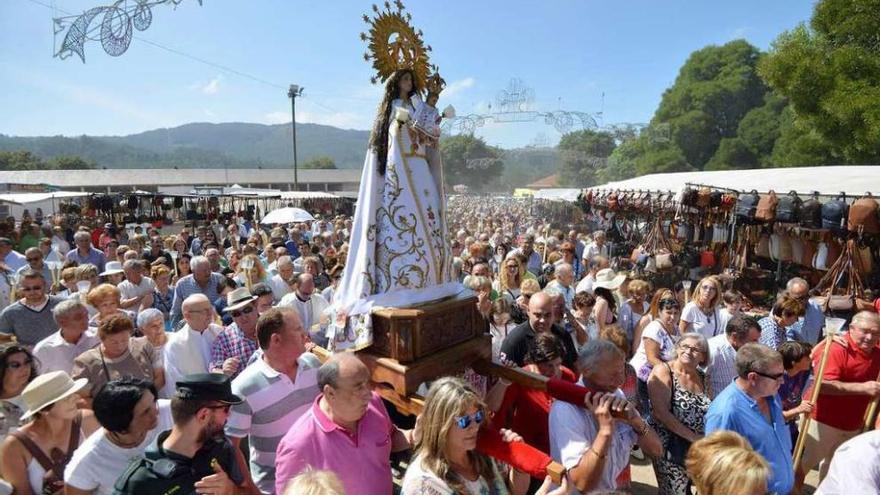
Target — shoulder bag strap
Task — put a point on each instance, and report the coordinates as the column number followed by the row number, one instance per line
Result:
column 34, row 449
column 104, row 363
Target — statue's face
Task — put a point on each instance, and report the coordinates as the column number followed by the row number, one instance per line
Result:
column 405, row 83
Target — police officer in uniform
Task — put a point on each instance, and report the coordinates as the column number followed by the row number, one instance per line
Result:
column 194, row 454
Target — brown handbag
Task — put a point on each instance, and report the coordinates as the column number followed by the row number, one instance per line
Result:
column 704, row 197
column 863, row 216
column 809, row 252
column 766, row 211
column 762, row 248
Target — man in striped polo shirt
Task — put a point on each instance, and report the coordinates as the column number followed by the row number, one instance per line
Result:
column 276, row 389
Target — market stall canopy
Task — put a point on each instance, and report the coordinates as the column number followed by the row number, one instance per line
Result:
column 570, row 195
column 18, row 202
column 854, row 180
column 287, row 215
column 308, row 195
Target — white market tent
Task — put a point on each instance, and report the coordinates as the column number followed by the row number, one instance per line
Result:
column 854, row 180
column 570, row 195
column 47, row 201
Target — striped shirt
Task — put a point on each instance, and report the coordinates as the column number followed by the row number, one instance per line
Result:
column 272, row 403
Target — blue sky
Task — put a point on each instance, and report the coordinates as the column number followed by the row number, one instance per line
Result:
column 570, row 52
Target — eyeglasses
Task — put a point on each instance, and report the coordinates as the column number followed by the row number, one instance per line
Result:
column 34, row 258
column 14, row 365
column 776, row 376
column 466, row 420
column 668, row 304
column 691, row 349
column 244, row 311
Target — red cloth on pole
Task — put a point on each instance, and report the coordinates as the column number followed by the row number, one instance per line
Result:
column 519, row 455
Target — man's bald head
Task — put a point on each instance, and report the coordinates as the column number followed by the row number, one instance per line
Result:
column 197, row 311
column 540, row 312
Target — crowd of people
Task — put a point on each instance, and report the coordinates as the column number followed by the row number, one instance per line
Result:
column 149, row 362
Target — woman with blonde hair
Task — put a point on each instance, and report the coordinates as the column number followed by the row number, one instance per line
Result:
column 510, row 278
column 315, row 482
column 702, row 313
column 724, row 463
column 258, row 274
column 446, row 461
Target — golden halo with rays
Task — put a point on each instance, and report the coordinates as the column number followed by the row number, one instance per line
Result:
column 394, row 44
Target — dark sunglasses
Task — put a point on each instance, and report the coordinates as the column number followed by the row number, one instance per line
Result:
column 777, row 376
column 14, row 365
column 669, row 304
column 465, row 421
column 244, row 311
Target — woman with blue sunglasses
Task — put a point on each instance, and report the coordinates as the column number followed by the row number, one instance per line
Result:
column 446, row 460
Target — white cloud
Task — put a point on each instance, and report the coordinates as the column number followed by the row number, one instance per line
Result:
column 456, row 87
column 213, row 86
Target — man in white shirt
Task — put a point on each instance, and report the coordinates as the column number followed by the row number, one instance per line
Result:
column 309, row 306
column 136, row 290
column 188, row 350
column 594, row 265
column 597, row 247
column 592, row 445
column 527, row 248
column 57, row 351
column 563, row 283
column 13, row 259
column 854, row 467
column 132, row 419
column 279, row 283
column 740, row 331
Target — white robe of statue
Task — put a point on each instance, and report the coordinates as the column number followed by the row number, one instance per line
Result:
column 399, row 255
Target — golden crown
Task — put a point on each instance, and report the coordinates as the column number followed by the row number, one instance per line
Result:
column 435, row 84
column 394, row 44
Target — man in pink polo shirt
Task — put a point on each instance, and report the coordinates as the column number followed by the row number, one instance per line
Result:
column 347, row 431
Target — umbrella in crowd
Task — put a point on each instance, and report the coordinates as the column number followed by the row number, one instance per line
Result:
column 287, row 215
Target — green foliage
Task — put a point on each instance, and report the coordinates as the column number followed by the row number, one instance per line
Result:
column 25, row 160
column 470, row 161
column 320, row 162
column 732, row 154
column 830, row 72
column 581, row 154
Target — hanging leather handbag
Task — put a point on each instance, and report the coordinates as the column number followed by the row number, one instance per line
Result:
column 811, row 213
column 746, row 205
column 862, row 216
column 762, row 248
column 834, row 213
column 704, row 197
column 766, row 209
column 789, row 208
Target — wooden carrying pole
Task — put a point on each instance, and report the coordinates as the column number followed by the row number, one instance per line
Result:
column 870, row 413
column 817, row 385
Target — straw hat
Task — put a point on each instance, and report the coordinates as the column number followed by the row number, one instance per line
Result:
column 47, row 389
column 111, row 268
column 238, row 298
column 608, row 279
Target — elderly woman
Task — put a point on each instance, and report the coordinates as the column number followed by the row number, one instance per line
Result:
column 17, row 368
column 482, row 287
column 163, row 294
column 118, row 355
column 633, row 308
column 446, row 461
column 313, row 266
column 33, row 458
column 105, row 298
column 702, row 313
column 679, row 401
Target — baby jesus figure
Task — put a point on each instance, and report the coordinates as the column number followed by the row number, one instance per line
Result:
column 427, row 119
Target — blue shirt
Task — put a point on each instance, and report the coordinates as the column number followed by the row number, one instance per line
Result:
column 809, row 329
column 733, row 410
column 186, row 287
column 94, row 257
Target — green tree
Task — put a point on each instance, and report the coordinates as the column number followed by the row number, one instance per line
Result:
column 830, row 72
column 21, row 160
column 801, row 145
column 714, row 89
column 732, row 153
column 761, row 127
column 320, row 162
column 470, row 161
column 67, row 162
column 582, row 153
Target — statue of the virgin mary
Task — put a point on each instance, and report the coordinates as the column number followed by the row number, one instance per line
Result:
column 398, row 254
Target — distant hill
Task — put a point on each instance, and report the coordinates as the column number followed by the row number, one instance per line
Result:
column 204, row 145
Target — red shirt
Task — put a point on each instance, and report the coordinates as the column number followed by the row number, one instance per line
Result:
column 849, row 365
column 526, row 411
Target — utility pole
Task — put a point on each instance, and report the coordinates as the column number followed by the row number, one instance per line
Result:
column 292, row 93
